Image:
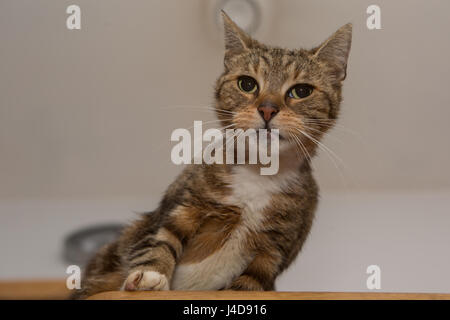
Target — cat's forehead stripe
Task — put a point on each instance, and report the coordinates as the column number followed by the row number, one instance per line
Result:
column 275, row 67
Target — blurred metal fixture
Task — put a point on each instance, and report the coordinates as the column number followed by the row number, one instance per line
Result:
column 82, row 244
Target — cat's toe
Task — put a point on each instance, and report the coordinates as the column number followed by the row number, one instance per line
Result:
column 146, row 280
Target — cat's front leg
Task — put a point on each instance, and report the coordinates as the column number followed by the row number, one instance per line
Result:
column 151, row 262
column 259, row 275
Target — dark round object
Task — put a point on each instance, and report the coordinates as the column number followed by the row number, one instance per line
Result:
column 300, row 91
column 81, row 245
column 247, row 84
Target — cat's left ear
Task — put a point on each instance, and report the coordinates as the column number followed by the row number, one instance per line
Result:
column 236, row 40
column 336, row 49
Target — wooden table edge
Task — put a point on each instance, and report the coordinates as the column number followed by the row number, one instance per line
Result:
column 265, row 295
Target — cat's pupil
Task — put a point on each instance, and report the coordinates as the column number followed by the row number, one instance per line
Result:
column 247, row 84
column 300, row 91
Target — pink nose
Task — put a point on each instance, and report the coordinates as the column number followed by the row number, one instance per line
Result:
column 267, row 110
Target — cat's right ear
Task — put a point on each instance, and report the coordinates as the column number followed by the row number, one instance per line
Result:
column 236, row 40
column 336, row 50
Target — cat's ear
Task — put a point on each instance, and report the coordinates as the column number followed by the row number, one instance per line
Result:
column 236, row 40
column 335, row 50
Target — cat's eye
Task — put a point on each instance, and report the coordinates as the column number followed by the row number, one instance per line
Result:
column 300, row 91
column 247, row 84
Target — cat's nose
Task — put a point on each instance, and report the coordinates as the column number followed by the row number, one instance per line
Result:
column 268, row 110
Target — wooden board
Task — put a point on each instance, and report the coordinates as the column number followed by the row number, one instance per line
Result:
column 34, row 289
column 56, row 289
column 266, row 295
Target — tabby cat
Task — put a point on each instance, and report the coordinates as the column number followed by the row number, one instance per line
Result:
column 227, row 227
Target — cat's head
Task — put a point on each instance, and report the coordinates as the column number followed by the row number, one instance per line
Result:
column 295, row 91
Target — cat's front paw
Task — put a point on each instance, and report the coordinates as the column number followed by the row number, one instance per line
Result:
column 146, row 280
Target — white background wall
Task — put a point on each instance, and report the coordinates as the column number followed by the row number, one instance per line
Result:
column 86, row 117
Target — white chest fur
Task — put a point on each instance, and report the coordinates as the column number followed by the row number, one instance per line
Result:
column 252, row 192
